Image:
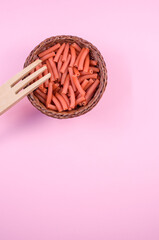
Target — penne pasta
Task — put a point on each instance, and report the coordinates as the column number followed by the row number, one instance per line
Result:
column 77, row 84
column 42, row 88
column 70, row 70
column 76, row 72
column 90, row 82
column 86, row 64
column 50, row 70
column 93, row 70
column 59, row 52
column 54, row 69
column 84, row 83
column 74, row 77
column 78, row 58
column 57, row 103
column 59, row 64
column 49, row 94
column 43, row 95
column 52, row 49
column 49, row 55
column 75, row 45
column 66, row 84
column 65, row 64
column 52, row 107
column 65, row 53
column 62, row 101
column 82, row 58
column 87, row 77
column 73, row 56
column 41, row 99
column 64, row 77
column 79, row 100
column 91, row 90
column 66, row 98
column 72, row 97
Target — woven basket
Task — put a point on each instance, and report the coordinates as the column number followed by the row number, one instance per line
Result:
column 94, row 54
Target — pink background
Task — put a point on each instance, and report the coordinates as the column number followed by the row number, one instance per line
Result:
column 96, row 176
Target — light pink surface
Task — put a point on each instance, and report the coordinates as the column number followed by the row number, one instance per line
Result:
column 96, row 176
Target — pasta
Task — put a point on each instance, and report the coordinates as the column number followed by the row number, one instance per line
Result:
column 65, row 64
column 52, row 49
column 74, row 79
column 75, row 45
column 73, row 56
column 82, row 59
column 65, row 53
column 66, row 84
column 59, row 52
column 86, row 64
column 72, row 97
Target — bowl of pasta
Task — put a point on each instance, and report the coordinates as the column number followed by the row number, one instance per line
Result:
column 78, row 76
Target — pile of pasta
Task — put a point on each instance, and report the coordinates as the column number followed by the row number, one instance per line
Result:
column 74, row 77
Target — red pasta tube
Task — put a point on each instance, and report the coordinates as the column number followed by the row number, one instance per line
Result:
column 59, row 64
column 93, row 69
column 65, row 52
column 73, row 56
column 41, row 99
column 66, row 84
column 55, row 47
column 49, row 55
column 57, row 103
column 43, row 95
column 86, row 63
column 82, row 73
column 87, row 77
column 70, row 70
column 79, row 100
column 52, row 107
column 75, row 45
column 42, row 88
column 76, row 72
column 65, row 64
column 64, row 77
column 82, row 58
column 49, row 94
column 50, row 70
column 77, row 84
column 90, row 82
column 78, row 58
column 72, row 97
column 91, row 90
column 59, row 52
column 84, row 83
column 66, row 98
column 54, row 69
column 62, row 101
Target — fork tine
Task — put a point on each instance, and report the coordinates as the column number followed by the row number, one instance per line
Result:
column 28, row 79
column 32, row 87
column 24, row 72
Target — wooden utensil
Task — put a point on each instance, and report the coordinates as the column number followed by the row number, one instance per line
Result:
column 18, row 86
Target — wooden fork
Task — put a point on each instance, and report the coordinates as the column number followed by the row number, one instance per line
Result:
column 14, row 90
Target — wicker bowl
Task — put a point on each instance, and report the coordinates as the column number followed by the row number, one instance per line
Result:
column 94, row 54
